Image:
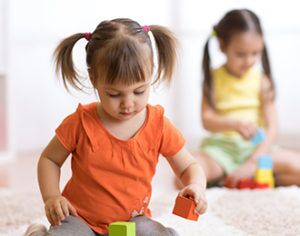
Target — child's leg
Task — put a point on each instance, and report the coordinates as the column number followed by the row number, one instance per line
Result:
column 286, row 167
column 212, row 169
column 70, row 226
column 148, row 227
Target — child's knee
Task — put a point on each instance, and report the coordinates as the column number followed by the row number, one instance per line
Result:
column 148, row 227
column 172, row 232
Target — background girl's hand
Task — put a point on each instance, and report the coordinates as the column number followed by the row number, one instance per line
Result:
column 246, row 129
column 57, row 208
column 195, row 192
column 247, row 170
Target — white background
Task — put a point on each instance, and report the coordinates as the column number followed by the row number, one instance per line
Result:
column 37, row 101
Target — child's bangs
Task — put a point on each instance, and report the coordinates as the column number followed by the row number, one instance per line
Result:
column 128, row 73
column 126, row 62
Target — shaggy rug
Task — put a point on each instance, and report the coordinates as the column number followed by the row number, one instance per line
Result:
column 230, row 212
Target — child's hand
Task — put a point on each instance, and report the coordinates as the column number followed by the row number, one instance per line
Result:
column 196, row 192
column 57, row 208
column 247, row 170
column 246, row 129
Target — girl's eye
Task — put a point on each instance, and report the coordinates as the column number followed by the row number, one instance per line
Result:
column 139, row 92
column 113, row 95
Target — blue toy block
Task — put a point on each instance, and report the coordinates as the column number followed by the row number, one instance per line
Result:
column 259, row 137
column 264, row 162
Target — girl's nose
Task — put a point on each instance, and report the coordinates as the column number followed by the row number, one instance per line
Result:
column 127, row 102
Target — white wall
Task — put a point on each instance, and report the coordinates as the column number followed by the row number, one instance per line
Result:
column 38, row 102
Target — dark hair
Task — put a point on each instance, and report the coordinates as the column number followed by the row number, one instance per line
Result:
column 235, row 21
column 119, row 51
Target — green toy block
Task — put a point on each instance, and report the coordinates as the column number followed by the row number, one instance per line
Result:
column 121, row 228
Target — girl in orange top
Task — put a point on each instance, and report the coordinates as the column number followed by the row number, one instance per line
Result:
column 115, row 143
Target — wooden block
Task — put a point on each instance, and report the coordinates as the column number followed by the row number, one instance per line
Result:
column 264, row 176
column 262, row 185
column 121, row 228
column 259, row 137
column 184, row 207
column 246, row 183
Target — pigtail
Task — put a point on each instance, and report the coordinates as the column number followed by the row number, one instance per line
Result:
column 166, row 49
column 207, row 86
column 64, row 62
column 267, row 70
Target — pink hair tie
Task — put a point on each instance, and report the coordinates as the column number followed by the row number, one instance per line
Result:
column 146, row 28
column 87, row 36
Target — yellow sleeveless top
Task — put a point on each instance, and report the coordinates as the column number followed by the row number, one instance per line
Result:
column 238, row 98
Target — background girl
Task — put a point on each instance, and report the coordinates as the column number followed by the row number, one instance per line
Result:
column 114, row 143
column 237, row 99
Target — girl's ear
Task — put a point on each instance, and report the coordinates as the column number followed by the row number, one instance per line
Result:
column 222, row 45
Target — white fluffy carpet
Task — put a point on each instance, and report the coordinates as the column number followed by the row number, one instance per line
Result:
column 230, row 212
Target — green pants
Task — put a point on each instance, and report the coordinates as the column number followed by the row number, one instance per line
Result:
column 228, row 150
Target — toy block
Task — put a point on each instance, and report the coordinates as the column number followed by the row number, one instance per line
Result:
column 259, row 137
column 121, row 228
column 184, row 207
column 264, row 162
column 228, row 183
column 246, row 183
column 264, row 177
column 264, row 173
column 262, row 186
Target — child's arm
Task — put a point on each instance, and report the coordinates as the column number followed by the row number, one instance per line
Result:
column 50, row 162
column 269, row 117
column 216, row 123
column 192, row 176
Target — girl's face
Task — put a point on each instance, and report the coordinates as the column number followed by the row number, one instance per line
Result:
column 122, row 102
column 242, row 51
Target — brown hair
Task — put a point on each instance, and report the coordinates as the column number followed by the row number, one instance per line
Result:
column 235, row 21
column 119, row 51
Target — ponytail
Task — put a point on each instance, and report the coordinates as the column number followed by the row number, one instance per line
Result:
column 64, row 62
column 207, row 84
column 166, row 49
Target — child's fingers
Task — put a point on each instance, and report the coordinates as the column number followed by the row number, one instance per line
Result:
column 55, row 217
column 201, row 206
column 201, row 203
column 59, row 212
column 51, row 215
column 72, row 210
column 65, row 209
